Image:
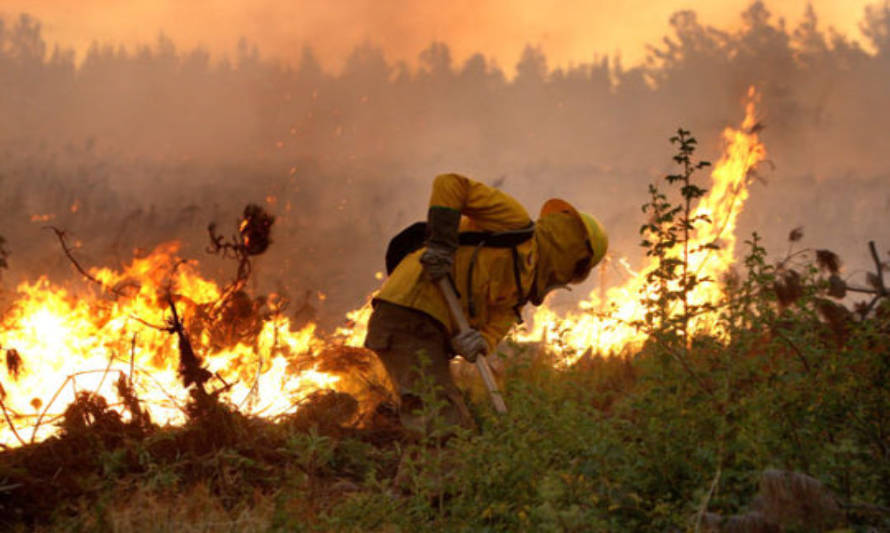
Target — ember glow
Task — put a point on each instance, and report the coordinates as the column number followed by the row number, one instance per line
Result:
column 72, row 342
column 603, row 323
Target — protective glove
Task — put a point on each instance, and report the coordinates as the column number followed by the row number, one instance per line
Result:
column 442, row 225
column 469, row 344
column 437, row 262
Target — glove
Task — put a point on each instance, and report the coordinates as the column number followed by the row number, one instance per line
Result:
column 469, row 344
column 442, row 225
column 437, row 262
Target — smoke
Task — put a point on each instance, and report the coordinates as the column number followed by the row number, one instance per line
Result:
column 571, row 31
column 133, row 146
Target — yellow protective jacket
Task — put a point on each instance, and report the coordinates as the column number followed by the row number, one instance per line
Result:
column 494, row 282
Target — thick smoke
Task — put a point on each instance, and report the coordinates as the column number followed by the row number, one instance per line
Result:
column 134, row 147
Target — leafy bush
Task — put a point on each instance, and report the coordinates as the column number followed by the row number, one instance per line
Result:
column 790, row 405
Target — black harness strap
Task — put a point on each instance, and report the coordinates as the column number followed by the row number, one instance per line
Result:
column 471, row 304
column 499, row 239
column 414, row 237
column 517, row 276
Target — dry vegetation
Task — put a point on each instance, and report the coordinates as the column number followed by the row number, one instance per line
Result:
column 780, row 425
column 155, row 140
column 785, row 426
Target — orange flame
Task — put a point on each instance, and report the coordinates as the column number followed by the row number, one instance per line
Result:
column 83, row 342
column 603, row 323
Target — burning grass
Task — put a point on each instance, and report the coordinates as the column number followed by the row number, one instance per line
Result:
column 608, row 443
column 161, row 325
column 706, row 383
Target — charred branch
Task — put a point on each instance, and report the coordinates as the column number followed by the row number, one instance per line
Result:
column 14, row 363
column 876, row 280
column 190, row 365
column 61, row 234
column 253, row 237
column 141, row 417
column 8, row 418
column 4, row 253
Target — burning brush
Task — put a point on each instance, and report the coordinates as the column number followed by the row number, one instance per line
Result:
column 253, row 238
column 255, row 227
column 235, row 309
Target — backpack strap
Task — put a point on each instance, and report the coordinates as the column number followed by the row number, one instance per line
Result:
column 497, row 239
column 517, row 277
column 471, row 305
column 414, row 237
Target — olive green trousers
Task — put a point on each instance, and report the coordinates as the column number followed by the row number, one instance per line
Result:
column 398, row 335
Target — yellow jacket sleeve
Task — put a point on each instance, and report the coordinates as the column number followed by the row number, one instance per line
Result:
column 487, row 208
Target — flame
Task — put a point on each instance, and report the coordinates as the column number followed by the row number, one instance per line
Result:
column 603, row 322
column 72, row 342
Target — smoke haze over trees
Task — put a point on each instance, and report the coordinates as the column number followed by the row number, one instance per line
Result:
column 131, row 147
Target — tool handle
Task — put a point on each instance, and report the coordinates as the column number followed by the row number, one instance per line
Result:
column 453, row 304
column 481, row 363
column 496, row 399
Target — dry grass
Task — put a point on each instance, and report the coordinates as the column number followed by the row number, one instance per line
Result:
column 196, row 510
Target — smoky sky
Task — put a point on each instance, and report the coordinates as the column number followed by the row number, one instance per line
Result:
column 569, row 31
column 132, row 145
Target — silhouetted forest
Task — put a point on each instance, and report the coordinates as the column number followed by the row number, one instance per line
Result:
column 129, row 147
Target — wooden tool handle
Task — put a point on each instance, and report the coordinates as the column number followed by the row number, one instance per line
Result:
column 481, row 363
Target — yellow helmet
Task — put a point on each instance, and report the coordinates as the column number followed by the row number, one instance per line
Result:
column 597, row 238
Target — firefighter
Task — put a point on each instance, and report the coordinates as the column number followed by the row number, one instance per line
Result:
column 498, row 259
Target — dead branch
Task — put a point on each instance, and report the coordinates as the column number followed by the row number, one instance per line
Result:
column 148, row 324
column 234, row 249
column 795, row 348
column 104, row 375
column 226, row 385
column 141, row 418
column 8, row 419
column 876, row 280
column 879, row 268
column 132, row 358
column 13, row 363
column 164, row 391
column 190, row 369
column 252, row 238
column 60, row 234
column 46, row 408
column 70, row 378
